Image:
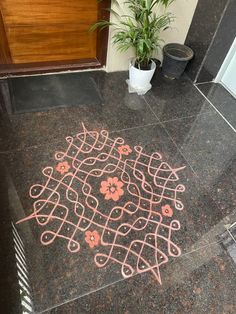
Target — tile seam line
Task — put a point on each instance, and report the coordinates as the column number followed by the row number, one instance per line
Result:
column 211, row 42
column 135, row 127
column 124, row 279
column 113, row 131
column 114, row 283
column 211, row 243
column 201, row 83
column 187, row 117
column 150, row 108
column 85, row 294
column 121, row 280
column 55, row 142
column 180, row 150
column 222, row 116
column 177, row 147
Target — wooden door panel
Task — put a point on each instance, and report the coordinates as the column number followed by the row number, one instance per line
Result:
column 51, row 43
column 43, row 12
column 55, row 30
column 5, row 55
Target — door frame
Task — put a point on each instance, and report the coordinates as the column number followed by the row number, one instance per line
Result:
column 227, row 60
column 7, row 68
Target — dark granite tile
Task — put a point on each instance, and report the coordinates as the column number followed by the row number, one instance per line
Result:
column 43, row 92
column 120, row 110
column 223, row 190
column 61, row 280
column 200, row 34
column 205, row 75
column 9, row 286
column 3, row 140
column 221, row 99
column 171, row 99
column 5, row 100
column 209, row 145
column 206, row 141
column 203, row 282
column 220, row 45
column 56, row 274
column 61, row 275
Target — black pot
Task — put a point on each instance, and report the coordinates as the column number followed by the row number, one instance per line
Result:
column 175, row 59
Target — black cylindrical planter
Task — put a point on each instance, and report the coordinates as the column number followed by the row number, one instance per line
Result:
column 175, row 59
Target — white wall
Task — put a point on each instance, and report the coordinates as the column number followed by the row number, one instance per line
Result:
column 183, row 11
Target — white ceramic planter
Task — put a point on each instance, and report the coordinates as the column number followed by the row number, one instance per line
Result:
column 139, row 80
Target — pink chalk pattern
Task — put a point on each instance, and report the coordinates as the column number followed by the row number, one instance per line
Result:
column 102, row 194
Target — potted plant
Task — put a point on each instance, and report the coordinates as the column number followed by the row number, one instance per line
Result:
column 139, row 30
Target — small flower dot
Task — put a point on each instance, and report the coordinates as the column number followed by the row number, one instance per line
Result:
column 167, row 211
column 92, row 238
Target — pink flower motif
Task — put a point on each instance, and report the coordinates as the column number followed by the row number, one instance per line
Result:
column 92, row 238
column 62, row 167
column 124, row 150
column 167, row 211
column 112, row 188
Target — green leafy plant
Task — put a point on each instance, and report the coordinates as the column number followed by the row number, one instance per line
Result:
column 140, row 29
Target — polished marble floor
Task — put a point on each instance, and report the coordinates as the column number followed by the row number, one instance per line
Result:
column 223, row 101
column 176, row 146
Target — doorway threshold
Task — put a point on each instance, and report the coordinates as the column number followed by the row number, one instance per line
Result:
column 221, row 99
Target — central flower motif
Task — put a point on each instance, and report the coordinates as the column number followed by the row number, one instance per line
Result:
column 112, row 188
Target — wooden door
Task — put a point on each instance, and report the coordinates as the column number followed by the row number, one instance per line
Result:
column 50, row 33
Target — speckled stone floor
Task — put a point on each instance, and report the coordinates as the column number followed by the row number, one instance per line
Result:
column 223, row 101
column 170, row 153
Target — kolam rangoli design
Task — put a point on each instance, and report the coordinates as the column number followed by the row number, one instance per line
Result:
column 104, row 194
